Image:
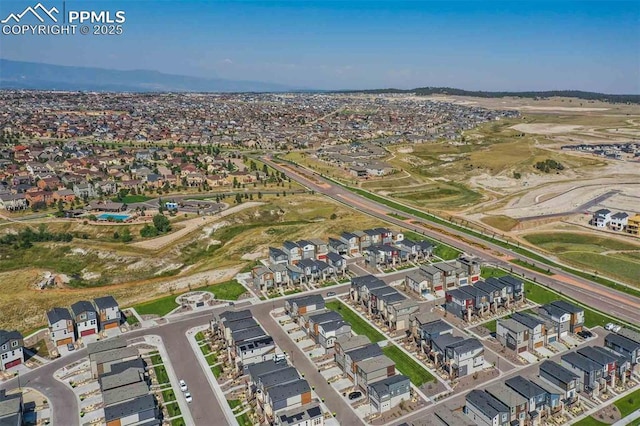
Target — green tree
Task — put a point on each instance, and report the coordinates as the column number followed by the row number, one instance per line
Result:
column 161, row 223
column 126, row 235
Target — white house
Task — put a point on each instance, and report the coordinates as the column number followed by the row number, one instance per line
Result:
column 85, row 317
column 61, row 326
column 108, row 312
column 619, row 221
column 601, row 218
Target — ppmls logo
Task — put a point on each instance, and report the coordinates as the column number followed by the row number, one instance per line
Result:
column 33, row 11
column 41, row 20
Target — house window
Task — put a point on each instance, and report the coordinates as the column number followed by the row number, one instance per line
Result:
column 93, row 322
column 14, row 344
column 4, row 347
column 4, row 356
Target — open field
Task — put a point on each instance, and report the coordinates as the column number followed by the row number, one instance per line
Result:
column 609, row 256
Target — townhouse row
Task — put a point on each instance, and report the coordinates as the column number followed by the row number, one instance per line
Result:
column 620, row 221
column 456, row 356
column 523, row 332
column 431, row 281
column 484, row 297
column 11, row 408
column 124, row 384
column 383, row 302
column 361, row 361
column 277, row 390
column 85, row 319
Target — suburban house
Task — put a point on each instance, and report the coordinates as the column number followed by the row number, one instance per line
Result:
column 516, row 403
column 136, row 411
column 338, row 246
column 605, row 359
column 565, row 379
column 387, row 393
column 633, row 225
column 354, row 356
column 122, row 374
column 13, row 202
column 465, row 357
column 516, row 284
column 576, row 320
column 601, row 218
column 293, row 251
column 626, row 347
column 345, row 344
column 254, row 350
column 306, row 415
column 559, row 317
column 11, row 353
column 220, row 319
column 361, row 286
column 307, row 248
column 286, row 396
column 536, row 395
column 512, row 334
column 231, row 327
column 125, row 393
column 338, row 262
column 373, row 369
column 352, row 241
column 103, row 356
column 399, row 313
column 108, row 312
column 263, row 277
column 554, row 396
column 494, row 295
column 61, row 326
column 255, row 371
column 326, row 327
column 11, row 409
column 536, row 327
column 459, row 303
column 85, row 317
column 444, row 416
column 591, row 373
column 481, row 300
column 485, row 410
column 320, row 248
column 432, row 330
column 619, row 221
column 297, row 306
column 470, row 267
column 277, row 256
column 267, row 380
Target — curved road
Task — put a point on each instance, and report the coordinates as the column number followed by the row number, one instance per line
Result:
column 613, row 302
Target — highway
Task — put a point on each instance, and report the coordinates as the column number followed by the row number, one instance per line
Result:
column 613, row 302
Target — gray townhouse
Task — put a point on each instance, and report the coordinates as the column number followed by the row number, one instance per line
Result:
column 516, row 284
column 308, row 414
column 136, row 411
column 444, row 416
column 590, row 373
column 320, row 248
column 108, row 311
column 494, row 295
column 11, row 349
column 536, row 395
column 399, row 314
column 85, row 318
column 286, row 396
column 387, row 393
column 626, row 347
column 563, row 378
column 506, row 291
column 336, row 261
column 576, row 313
column 603, row 358
column 254, row 350
column 536, row 327
column 267, row 380
column 298, row 306
column 308, row 249
column 338, row 246
column 374, row 369
column 432, row 330
column 352, row 241
column 459, row 303
column 254, row 371
column 354, row 356
column 485, row 410
column 465, row 357
column 512, row 335
column 277, row 256
column 345, row 344
column 220, row 319
column 558, row 316
column 11, row 408
column 361, row 286
column 61, row 327
column 293, row 251
column 516, row 403
column 481, row 300
column 554, row 395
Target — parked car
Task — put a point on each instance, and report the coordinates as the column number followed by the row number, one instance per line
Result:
column 331, row 293
column 71, row 347
column 355, row 395
column 585, row 333
column 188, row 397
column 183, row 386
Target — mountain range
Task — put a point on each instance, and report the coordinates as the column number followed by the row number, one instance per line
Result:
column 39, row 76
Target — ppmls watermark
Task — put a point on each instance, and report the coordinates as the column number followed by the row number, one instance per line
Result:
column 40, row 20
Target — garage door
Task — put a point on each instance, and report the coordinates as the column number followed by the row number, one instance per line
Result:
column 111, row 325
column 552, row 339
column 88, row 332
column 523, row 349
column 13, row 363
column 63, row 342
column 577, row 329
column 539, row 344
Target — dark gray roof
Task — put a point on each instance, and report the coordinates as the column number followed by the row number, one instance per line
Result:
column 381, row 386
column 296, row 416
column 279, row 377
column 9, row 405
column 383, row 290
column 276, row 252
column 524, row 387
column 528, row 320
column 289, row 245
column 82, row 306
column 554, row 369
column 122, row 378
column 106, row 345
column 473, row 291
column 458, row 294
column 124, row 393
column 235, row 315
column 58, row 314
column 509, row 279
column 369, row 280
column 629, row 334
column 105, row 302
column 124, row 409
column 136, row 363
column 620, row 215
column 486, row 403
column 369, row 351
column 392, row 298
column 581, row 362
column 241, row 324
column 329, row 316
column 260, row 368
column 567, row 307
column 334, row 257
column 248, row 345
column 287, row 390
column 627, row 344
column 330, row 326
column 553, row 310
column 312, row 299
column 596, row 356
column 7, row 336
column 466, row 345
column 445, row 340
column 437, row 326
column 486, row 287
column 247, row 334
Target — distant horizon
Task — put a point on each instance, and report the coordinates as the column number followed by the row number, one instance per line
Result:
column 301, row 90
column 510, row 46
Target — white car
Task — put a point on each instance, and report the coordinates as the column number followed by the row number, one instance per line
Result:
column 188, row 397
column 183, row 386
column 617, row 328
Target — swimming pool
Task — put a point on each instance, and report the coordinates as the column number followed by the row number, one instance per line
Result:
column 113, row 216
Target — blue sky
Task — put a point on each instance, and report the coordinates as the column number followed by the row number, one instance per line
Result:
column 478, row 45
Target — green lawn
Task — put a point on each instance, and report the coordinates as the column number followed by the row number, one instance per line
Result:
column 161, row 374
column 407, row 366
column 178, row 422
column 487, row 271
column 358, row 325
column 397, row 216
column 491, row 325
column 243, row 420
column 446, row 252
column 132, row 319
column 168, row 395
column 216, row 370
column 173, row 410
column 212, row 359
column 131, row 199
column 229, row 290
column 200, row 336
column 156, row 359
column 590, row 421
column 629, row 403
column 233, row 403
column 531, row 266
column 161, row 306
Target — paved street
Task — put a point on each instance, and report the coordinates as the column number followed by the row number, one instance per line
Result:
column 618, row 304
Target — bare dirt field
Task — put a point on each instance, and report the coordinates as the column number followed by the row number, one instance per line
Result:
column 546, row 128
